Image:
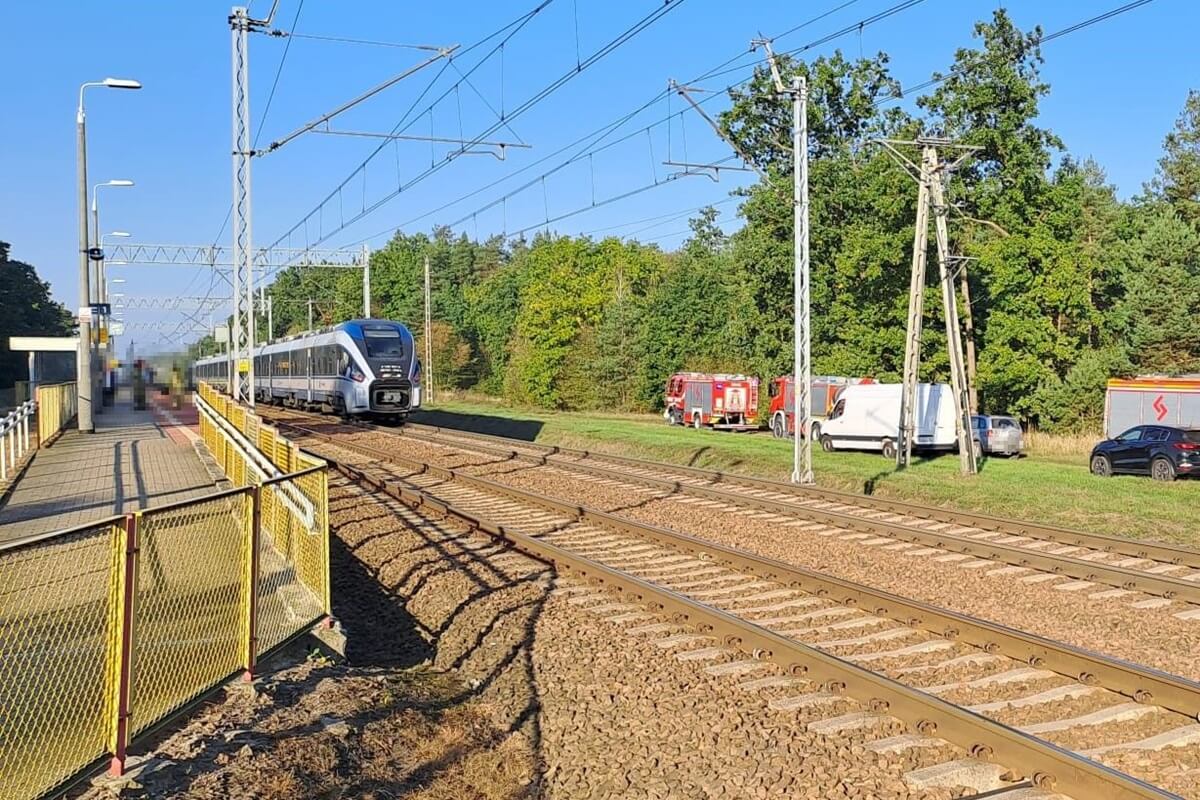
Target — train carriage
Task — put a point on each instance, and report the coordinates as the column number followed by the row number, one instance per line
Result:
column 359, row 368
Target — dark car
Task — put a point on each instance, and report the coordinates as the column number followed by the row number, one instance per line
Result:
column 1162, row 452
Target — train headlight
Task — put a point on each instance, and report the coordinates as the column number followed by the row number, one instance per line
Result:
column 357, row 375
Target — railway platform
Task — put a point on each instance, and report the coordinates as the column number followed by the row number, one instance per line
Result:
column 135, row 459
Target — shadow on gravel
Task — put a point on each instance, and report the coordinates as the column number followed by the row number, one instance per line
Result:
column 524, row 429
column 381, row 631
column 470, row 614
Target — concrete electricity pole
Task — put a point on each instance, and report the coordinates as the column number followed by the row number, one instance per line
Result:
column 428, row 336
column 931, row 176
column 954, row 348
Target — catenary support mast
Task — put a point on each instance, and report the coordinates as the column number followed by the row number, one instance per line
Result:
column 242, row 336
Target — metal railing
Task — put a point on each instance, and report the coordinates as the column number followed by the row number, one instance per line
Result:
column 111, row 628
column 14, row 437
column 56, row 407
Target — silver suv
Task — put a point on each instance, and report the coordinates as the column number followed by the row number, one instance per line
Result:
column 998, row 435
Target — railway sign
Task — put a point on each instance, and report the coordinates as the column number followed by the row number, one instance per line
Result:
column 95, row 254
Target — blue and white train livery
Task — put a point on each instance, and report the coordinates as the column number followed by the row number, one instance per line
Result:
column 361, row 368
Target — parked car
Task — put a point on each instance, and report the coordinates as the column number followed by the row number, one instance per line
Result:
column 1164, row 453
column 998, row 435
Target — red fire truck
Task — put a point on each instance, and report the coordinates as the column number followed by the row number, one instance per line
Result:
column 725, row 402
column 824, row 393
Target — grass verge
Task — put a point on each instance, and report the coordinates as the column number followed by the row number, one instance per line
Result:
column 1052, row 488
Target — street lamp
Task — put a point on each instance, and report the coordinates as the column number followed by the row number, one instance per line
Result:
column 97, row 239
column 100, row 282
column 83, row 372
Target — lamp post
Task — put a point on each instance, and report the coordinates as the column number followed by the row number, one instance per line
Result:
column 83, row 369
column 100, row 286
column 113, row 234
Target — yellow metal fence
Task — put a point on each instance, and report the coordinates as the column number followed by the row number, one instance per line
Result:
column 56, row 405
column 108, row 629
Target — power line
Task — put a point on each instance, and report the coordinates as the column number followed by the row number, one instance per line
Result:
column 348, row 40
column 604, row 131
column 512, row 29
column 668, row 217
column 629, row 33
column 1078, row 26
column 262, row 121
column 844, row 31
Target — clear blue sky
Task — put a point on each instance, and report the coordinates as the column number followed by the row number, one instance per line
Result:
column 1116, row 89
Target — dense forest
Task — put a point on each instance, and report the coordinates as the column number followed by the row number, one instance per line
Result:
column 27, row 310
column 1068, row 285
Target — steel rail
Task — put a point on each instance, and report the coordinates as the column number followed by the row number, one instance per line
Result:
column 1158, row 551
column 1143, row 684
column 1048, row 766
column 1078, row 568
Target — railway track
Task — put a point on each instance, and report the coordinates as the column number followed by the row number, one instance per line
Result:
column 1022, row 710
column 1130, row 567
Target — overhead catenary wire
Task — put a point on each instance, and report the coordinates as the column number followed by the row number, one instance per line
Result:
column 508, row 31
column 599, row 135
column 406, row 121
column 350, row 40
column 613, row 44
column 825, row 39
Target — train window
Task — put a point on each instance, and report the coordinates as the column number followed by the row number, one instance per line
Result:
column 343, row 361
column 383, row 342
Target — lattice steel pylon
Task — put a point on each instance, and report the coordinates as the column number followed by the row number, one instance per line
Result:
column 242, row 338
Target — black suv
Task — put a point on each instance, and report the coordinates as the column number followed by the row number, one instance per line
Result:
column 1159, row 451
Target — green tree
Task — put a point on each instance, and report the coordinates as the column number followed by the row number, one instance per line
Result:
column 1178, row 178
column 1161, row 272
column 28, row 311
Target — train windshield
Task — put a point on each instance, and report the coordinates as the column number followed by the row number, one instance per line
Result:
column 383, row 343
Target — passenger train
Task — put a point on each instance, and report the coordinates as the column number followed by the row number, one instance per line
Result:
column 359, row 368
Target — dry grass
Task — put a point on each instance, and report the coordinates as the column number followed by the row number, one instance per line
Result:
column 1052, row 445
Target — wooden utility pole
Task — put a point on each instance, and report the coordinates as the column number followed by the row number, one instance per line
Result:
column 931, row 176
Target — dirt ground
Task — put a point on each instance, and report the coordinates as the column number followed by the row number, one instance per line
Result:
column 319, row 729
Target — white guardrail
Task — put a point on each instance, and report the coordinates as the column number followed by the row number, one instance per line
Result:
column 262, row 467
column 14, row 437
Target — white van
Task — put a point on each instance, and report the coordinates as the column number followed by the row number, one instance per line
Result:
column 867, row 417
